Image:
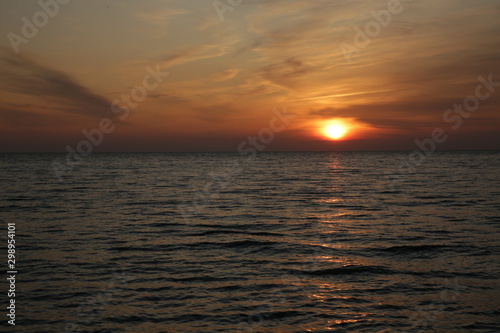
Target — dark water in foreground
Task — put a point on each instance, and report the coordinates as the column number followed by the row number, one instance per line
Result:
column 287, row 242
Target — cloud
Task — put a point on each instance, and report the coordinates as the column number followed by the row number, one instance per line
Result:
column 283, row 73
column 225, row 74
column 250, row 46
column 407, row 115
column 188, row 54
column 155, row 18
column 21, row 75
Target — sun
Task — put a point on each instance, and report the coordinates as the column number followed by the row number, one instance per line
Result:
column 335, row 130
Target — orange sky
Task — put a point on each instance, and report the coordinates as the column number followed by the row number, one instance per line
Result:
column 226, row 76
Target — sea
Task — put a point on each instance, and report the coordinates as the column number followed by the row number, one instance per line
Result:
column 272, row 242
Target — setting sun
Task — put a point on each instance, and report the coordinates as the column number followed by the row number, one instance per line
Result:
column 335, row 130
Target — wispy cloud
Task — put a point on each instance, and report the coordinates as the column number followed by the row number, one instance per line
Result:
column 24, row 76
column 226, row 74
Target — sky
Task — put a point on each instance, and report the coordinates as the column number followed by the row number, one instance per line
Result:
column 203, row 75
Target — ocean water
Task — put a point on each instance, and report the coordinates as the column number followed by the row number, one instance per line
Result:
column 280, row 242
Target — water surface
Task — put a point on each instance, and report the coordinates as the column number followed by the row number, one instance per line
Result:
column 285, row 242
